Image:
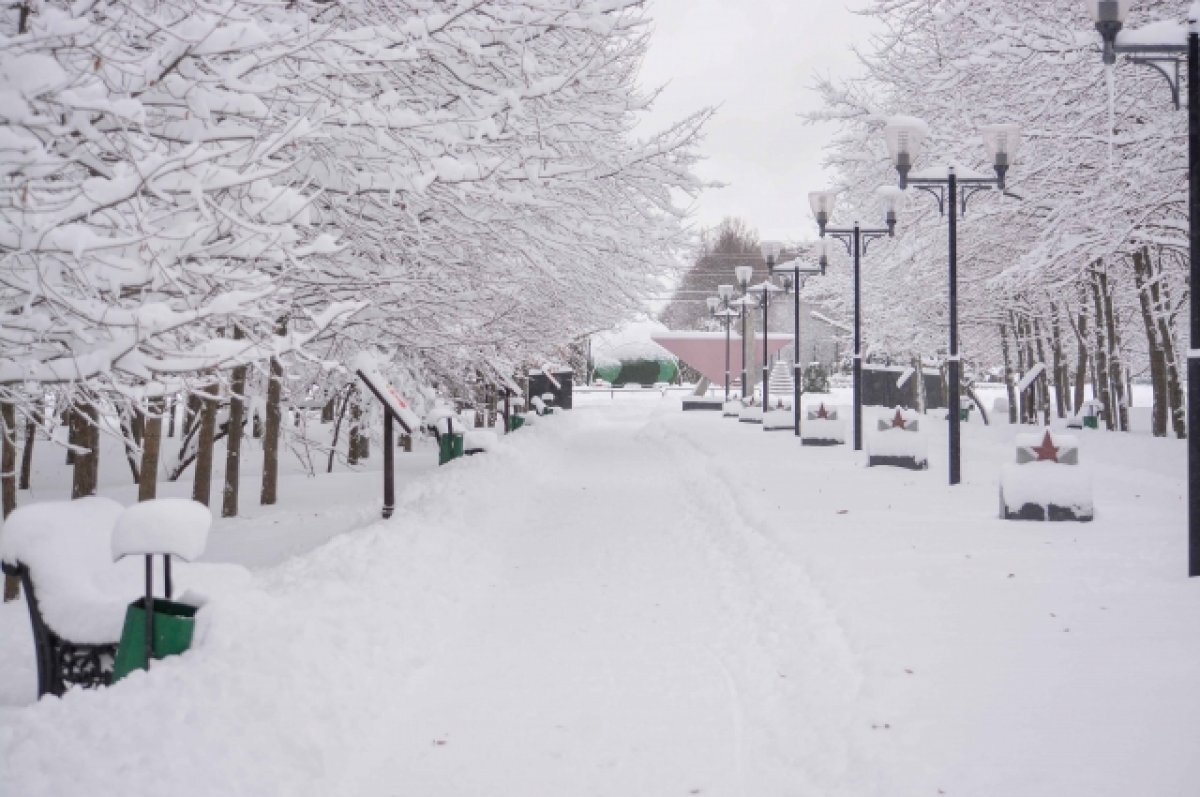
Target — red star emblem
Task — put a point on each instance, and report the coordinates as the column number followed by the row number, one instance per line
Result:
column 898, row 422
column 1046, row 452
column 822, row 412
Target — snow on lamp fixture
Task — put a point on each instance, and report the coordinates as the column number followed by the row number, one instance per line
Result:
column 823, row 254
column 770, row 250
column 743, row 274
column 905, row 135
column 1109, row 16
column 890, row 198
column 725, row 292
column 713, row 303
column 822, row 207
column 1001, row 142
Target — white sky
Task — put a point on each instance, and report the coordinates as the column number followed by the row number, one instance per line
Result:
column 756, row 60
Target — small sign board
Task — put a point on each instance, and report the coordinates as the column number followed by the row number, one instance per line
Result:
column 389, row 396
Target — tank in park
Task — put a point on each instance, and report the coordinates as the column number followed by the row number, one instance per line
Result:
column 638, row 371
column 896, row 386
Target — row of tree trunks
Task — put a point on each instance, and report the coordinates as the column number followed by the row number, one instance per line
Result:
column 1109, row 373
column 1158, row 319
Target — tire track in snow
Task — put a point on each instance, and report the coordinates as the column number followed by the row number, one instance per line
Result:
column 808, row 667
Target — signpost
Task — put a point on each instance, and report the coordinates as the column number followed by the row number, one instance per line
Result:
column 395, row 409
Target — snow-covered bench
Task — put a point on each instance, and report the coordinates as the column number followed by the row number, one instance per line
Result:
column 77, row 596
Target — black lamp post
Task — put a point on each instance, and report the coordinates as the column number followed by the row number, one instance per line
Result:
column 719, row 307
column 792, row 283
column 1110, row 19
column 743, row 274
column 904, row 138
column 765, row 289
column 770, row 251
column 856, row 239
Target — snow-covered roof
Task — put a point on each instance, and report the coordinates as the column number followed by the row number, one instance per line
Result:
column 629, row 342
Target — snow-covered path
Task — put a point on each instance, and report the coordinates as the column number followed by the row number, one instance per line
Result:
column 629, row 600
column 629, row 643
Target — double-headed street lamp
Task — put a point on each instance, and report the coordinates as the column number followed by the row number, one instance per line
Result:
column 1110, row 19
column 792, row 272
column 904, row 138
column 719, row 307
column 856, row 239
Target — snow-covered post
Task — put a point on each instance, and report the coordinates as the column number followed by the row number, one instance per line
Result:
column 743, row 275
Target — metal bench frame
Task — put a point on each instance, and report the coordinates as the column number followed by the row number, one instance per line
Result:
column 62, row 663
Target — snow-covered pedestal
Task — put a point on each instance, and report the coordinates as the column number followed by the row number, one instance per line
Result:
column 899, row 442
column 479, row 441
column 732, row 408
column 779, row 420
column 1046, row 481
column 710, row 403
column 822, row 427
column 752, row 414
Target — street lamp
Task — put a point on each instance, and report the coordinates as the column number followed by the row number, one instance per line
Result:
column 1110, row 19
column 743, row 274
column 719, row 307
column 857, row 239
column 905, row 135
column 792, row 272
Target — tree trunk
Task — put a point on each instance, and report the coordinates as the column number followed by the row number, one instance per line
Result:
column 85, row 420
column 202, row 478
column 233, row 445
column 1116, row 370
column 1043, row 383
column 1101, row 371
column 1009, row 385
column 1158, row 372
column 271, row 430
column 1161, row 300
column 1081, row 361
column 355, row 446
column 1061, row 375
column 171, row 406
column 131, row 435
column 151, row 448
column 337, row 425
column 31, row 430
column 8, row 480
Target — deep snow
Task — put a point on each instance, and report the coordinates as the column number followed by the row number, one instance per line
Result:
column 627, row 599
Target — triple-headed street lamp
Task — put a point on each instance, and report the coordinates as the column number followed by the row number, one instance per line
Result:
column 905, row 135
column 719, row 307
column 856, row 239
column 792, row 273
column 1173, row 45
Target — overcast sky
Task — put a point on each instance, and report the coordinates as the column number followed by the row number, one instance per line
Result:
column 755, row 59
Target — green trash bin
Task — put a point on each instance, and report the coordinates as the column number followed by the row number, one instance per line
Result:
column 1091, row 422
column 450, row 447
column 174, row 624
column 515, row 422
